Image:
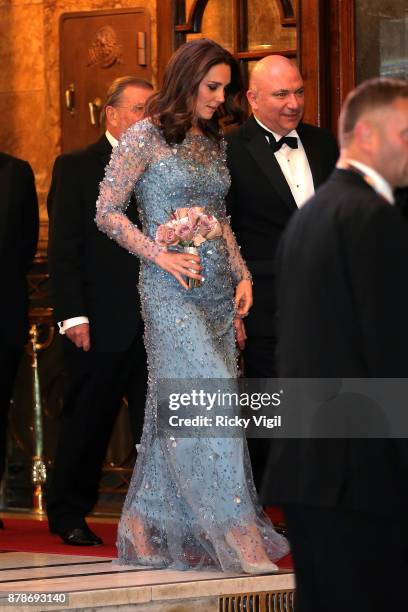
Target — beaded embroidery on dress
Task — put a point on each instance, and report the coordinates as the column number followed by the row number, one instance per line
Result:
column 186, row 493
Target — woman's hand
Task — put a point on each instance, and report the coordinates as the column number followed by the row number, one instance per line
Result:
column 240, row 334
column 243, row 298
column 179, row 265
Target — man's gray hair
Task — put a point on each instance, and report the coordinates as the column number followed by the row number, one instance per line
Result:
column 116, row 89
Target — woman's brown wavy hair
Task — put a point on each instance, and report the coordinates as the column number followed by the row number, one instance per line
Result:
column 173, row 107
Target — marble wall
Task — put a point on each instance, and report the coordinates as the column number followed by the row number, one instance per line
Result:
column 29, row 79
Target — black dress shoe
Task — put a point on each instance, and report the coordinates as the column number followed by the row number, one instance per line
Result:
column 80, row 536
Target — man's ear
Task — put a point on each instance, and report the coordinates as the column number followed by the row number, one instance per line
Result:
column 111, row 115
column 251, row 97
column 363, row 133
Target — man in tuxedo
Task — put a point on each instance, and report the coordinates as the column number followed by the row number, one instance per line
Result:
column 18, row 244
column 342, row 313
column 276, row 162
column 97, row 308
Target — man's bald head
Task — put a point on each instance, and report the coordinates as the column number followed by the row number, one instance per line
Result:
column 272, row 67
column 276, row 94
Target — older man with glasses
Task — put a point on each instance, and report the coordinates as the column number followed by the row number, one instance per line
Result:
column 97, row 308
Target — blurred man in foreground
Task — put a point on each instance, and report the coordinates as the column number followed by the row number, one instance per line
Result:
column 342, row 313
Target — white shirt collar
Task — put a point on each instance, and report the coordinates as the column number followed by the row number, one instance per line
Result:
column 114, row 142
column 378, row 182
column 274, row 134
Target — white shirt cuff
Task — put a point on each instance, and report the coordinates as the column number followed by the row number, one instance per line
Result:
column 64, row 325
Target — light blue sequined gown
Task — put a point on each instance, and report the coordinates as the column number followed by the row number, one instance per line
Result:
column 187, row 492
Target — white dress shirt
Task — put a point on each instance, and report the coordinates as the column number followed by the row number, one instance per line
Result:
column 114, row 142
column 295, row 167
column 64, row 325
column 375, row 180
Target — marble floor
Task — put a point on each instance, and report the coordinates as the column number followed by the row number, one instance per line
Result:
column 97, row 584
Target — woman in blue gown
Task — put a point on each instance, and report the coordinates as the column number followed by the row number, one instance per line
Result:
column 191, row 502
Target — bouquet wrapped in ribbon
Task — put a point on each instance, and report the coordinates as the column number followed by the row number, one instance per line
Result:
column 188, row 228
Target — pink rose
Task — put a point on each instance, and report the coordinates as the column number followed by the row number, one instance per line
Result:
column 215, row 231
column 198, row 240
column 180, row 213
column 184, row 232
column 205, row 225
column 194, row 215
column 166, row 235
column 209, row 227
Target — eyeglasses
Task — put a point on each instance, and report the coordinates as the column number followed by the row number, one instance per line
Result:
column 136, row 109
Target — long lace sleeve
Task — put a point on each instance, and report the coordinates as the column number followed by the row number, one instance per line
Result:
column 238, row 265
column 128, row 162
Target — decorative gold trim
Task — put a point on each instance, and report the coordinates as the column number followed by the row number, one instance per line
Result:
column 265, row 601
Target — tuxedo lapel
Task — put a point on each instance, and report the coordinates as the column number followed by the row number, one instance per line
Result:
column 103, row 149
column 313, row 154
column 263, row 155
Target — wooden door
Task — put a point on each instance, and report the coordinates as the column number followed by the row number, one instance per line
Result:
column 95, row 48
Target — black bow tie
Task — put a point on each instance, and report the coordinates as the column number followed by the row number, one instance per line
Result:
column 291, row 141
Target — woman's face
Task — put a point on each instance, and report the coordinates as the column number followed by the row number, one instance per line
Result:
column 211, row 91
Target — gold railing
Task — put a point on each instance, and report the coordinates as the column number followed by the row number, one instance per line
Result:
column 34, row 422
column 38, row 317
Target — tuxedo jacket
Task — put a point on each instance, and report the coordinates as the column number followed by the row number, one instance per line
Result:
column 342, row 312
column 91, row 275
column 260, row 203
column 401, row 200
column 18, row 243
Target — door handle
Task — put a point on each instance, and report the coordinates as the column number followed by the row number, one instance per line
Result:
column 141, row 49
column 70, row 98
column 94, row 107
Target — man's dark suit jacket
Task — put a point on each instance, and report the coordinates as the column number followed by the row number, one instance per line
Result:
column 18, row 243
column 342, row 312
column 260, row 204
column 90, row 274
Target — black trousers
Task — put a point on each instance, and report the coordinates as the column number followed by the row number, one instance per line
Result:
column 348, row 560
column 96, row 385
column 9, row 362
column 259, row 359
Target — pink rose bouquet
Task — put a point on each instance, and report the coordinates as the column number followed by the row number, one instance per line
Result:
column 188, row 227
